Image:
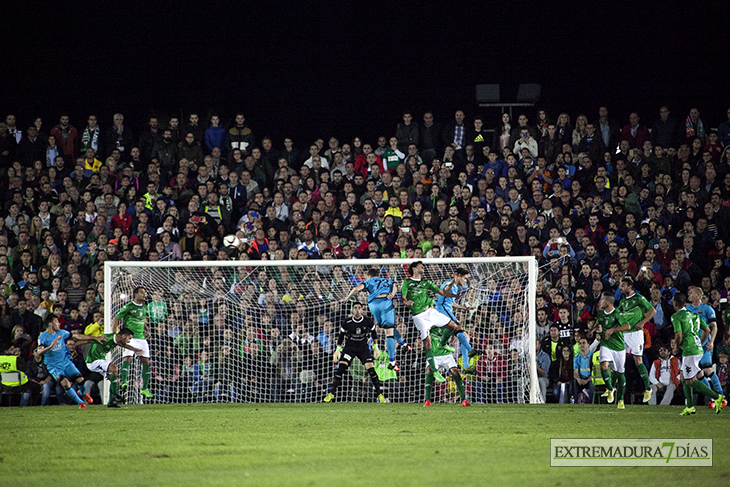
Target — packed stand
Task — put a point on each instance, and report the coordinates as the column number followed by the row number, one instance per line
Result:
column 592, row 202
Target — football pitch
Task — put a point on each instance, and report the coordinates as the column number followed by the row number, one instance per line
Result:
column 339, row 444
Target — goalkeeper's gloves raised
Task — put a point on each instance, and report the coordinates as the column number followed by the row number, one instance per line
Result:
column 376, row 351
column 336, row 355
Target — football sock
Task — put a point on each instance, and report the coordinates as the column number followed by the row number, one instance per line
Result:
column 125, row 372
column 113, row 388
column 429, row 386
column 341, row 368
column 606, row 374
column 460, row 387
column 716, row 385
column 146, row 376
column 70, row 392
column 429, row 359
column 465, row 348
column 700, row 387
column 620, row 381
column 644, row 376
column 705, row 382
column 376, row 381
column 688, row 394
column 82, row 388
column 398, row 338
column 390, row 346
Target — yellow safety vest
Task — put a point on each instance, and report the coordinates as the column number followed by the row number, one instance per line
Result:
column 9, row 363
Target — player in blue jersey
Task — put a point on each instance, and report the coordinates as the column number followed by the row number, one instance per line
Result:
column 446, row 305
column 58, row 359
column 381, row 292
column 707, row 314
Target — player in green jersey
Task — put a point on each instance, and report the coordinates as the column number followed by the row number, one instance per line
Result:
column 96, row 359
column 443, row 357
column 415, row 293
column 634, row 310
column 687, row 326
column 612, row 351
column 133, row 316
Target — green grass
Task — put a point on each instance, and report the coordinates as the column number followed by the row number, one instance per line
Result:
column 338, row 444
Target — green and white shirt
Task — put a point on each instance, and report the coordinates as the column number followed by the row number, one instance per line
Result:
column 417, row 290
column 631, row 310
column 608, row 321
column 132, row 316
column 690, row 325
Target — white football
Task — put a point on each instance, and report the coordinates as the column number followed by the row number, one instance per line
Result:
column 231, row 241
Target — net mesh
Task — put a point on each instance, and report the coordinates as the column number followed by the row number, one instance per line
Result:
column 268, row 333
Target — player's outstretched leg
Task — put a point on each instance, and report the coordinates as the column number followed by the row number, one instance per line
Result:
column 700, row 387
column 399, row 339
column 71, row 392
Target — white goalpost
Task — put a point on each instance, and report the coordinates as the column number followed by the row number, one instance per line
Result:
column 265, row 331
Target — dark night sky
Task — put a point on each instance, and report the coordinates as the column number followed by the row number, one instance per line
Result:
column 323, row 68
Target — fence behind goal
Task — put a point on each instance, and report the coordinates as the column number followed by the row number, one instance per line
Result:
column 265, row 331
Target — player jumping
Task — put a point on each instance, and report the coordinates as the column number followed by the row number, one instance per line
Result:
column 687, row 326
column 415, row 294
column 634, row 310
column 613, row 349
column 132, row 316
column 96, row 360
column 358, row 329
column 380, row 301
column 443, row 357
column 706, row 314
column 58, row 360
column 445, row 305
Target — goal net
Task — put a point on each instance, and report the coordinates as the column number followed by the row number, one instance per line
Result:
column 266, row 331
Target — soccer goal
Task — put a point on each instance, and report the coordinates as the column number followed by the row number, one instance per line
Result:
column 265, row 331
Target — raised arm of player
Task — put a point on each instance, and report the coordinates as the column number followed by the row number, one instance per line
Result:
column 81, row 339
column 353, row 292
column 447, row 294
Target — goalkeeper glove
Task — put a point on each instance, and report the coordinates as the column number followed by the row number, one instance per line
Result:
column 376, row 351
column 336, row 356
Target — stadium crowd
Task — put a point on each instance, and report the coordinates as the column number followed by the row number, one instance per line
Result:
column 592, row 199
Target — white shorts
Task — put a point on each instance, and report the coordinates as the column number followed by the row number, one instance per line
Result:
column 634, row 342
column 444, row 362
column 690, row 366
column 616, row 358
column 101, row 366
column 140, row 344
column 428, row 319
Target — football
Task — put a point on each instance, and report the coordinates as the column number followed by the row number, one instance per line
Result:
column 231, row 241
